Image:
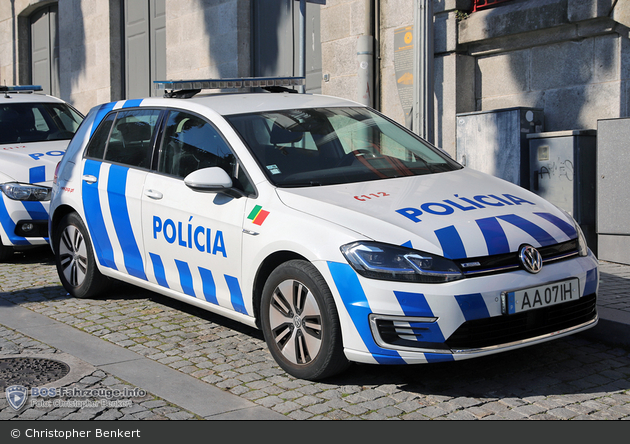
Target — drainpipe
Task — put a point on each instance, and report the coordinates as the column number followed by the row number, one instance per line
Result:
column 302, row 68
column 423, row 70
column 365, row 57
column 376, row 94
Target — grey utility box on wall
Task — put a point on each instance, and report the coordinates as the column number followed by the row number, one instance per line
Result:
column 562, row 169
column 495, row 142
column 613, row 190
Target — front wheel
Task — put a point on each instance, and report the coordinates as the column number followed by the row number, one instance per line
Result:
column 300, row 323
column 75, row 260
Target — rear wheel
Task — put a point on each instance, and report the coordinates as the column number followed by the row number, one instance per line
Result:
column 75, row 260
column 300, row 323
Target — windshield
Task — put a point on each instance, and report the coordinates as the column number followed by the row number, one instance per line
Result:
column 325, row 146
column 37, row 122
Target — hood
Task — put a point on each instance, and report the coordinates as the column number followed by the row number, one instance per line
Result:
column 31, row 162
column 457, row 214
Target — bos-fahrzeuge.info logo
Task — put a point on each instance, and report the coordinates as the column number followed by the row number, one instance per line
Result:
column 17, row 396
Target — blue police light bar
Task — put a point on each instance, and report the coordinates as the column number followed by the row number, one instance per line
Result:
column 242, row 82
column 20, row 88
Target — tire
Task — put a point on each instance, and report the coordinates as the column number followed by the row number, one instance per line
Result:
column 74, row 258
column 300, row 322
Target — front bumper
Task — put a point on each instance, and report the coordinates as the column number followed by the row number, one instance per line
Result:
column 15, row 218
column 397, row 323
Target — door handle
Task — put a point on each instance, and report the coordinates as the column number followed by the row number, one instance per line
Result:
column 89, row 178
column 153, row 194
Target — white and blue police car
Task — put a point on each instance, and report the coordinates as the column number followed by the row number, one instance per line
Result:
column 34, row 131
column 340, row 234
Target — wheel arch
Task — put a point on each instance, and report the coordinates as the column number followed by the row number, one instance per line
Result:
column 270, row 263
column 56, row 217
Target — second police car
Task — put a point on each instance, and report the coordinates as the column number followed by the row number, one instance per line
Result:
column 339, row 233
column 35, row 129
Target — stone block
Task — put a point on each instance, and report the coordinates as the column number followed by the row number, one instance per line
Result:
column 503, row 74
column 607, row 60
column 445, row 32
column 511, row 19
column 581, row 106
column 335, row 23
column 562, row 64
column 588, row 9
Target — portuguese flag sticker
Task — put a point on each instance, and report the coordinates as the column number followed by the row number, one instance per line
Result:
column 258, row 215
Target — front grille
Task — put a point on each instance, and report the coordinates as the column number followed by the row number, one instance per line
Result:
column 505, row 329
column 501, row 263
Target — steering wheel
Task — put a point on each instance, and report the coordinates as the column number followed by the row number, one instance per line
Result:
column 349, row 157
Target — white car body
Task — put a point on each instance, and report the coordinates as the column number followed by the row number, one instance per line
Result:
column 30, row 163
column 210, row 249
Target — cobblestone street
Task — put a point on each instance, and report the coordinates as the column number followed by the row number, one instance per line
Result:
column 571, row 378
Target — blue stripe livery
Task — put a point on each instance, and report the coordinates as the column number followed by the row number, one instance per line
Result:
column 592, row 280
column 236, row 296
column 568, row 228
column 116, row 186
column 185, row 278
column 358, row 308
column 94, row 217
column 35, row 210
column 209, row 287
column 494, row 235
column 541, row 236
column 100, row 114
column 9, row 225
column 158, row 270
column 451, row 243
column 37, row 174
column 415, row 304
column 132, row 103
column 472, row 306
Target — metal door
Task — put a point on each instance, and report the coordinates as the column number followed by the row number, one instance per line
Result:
column 145, row 46
column 45, row 50
column 276, row 41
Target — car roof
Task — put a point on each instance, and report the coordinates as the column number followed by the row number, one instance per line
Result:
column 241, row 103
column 13, row 97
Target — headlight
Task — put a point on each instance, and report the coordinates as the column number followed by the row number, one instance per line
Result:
column 23, row 191
column 582, row 245
column 389, row 262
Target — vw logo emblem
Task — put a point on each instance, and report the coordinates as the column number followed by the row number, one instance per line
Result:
column 530, row 258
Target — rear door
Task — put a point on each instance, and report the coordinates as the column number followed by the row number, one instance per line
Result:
column 117, row 162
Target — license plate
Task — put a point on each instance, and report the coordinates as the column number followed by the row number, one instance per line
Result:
column 541, row 296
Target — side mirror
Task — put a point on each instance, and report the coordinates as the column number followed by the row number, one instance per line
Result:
column 212, row 179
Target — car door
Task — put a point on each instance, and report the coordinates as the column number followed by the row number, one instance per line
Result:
column 193, row 239
column 114, row 170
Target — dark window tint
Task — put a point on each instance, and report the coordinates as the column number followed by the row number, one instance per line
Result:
column 97, row 144
column 37, row 122
column 131, row 136
column 191, row 143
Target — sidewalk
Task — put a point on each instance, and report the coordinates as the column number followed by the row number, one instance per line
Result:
column 185, row 391
column 85, row 352
column 613, row 305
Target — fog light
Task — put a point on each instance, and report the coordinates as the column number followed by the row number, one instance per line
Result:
column 27, row 227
